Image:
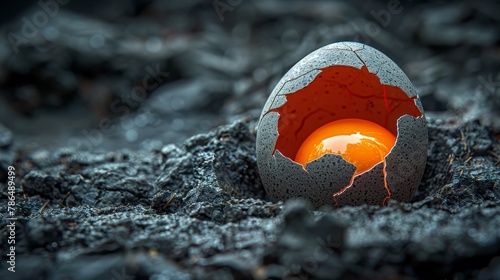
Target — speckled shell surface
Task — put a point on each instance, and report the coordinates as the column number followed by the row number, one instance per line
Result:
column 331, row 174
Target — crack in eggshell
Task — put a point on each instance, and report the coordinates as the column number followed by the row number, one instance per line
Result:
column 403, row 157
column 407, row 157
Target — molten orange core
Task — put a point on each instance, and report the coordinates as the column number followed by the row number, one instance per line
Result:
column 360, row 142
column 339, row 92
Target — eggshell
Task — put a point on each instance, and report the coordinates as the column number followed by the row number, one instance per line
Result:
column 296, row 109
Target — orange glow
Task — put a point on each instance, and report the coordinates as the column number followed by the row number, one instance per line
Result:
column 360, row 142
column 339, row 92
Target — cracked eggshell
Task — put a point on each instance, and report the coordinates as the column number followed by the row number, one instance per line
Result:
column 341, row 80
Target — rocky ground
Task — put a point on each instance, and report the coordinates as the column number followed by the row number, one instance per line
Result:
column 131, row 128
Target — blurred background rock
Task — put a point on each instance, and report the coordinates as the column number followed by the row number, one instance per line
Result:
column 72, row 73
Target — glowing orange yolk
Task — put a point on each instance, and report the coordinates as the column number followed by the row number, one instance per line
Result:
column 360, row 142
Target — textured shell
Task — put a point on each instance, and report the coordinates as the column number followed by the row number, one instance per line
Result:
column 284, row 179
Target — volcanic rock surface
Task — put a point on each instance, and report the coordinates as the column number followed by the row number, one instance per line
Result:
column 167, row 186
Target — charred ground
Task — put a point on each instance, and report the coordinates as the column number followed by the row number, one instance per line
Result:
column 173, row 189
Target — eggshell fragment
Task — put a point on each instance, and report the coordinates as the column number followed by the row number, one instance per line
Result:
column 341, row 80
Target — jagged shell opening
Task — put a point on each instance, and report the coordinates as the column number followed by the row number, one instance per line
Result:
column 340, row 92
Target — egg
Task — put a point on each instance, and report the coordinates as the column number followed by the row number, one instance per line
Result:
column 344, row 126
